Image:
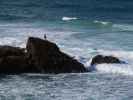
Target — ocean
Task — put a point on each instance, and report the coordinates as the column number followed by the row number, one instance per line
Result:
column 82, row 29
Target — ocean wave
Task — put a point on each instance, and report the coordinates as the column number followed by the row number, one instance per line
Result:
column 103, row 23
column 69, row 18
column 11, row 17
column 12, row 41
column 125, row 69
column 114, row 26
column 123, row 27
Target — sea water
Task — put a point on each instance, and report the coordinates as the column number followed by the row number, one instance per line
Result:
column 81, row 28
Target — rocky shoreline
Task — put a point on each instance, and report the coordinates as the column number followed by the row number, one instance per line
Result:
column 43, row 56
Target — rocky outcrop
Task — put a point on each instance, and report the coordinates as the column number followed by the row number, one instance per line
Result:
column 11, row 51
column 11, row 59
column 40, row 56
column 47, row 57
column 100, row 59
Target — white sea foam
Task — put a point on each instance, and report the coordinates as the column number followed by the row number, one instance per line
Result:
column 125, row 69
column 69, row 18
column 123, row 27
column 10, row 41
column 119, row 27
column 101, row 22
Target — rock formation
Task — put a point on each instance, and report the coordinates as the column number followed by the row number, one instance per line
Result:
column 100, row 59
column 48, row 58
column 41, row 56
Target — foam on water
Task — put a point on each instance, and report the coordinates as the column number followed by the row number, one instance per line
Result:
column 125, row 69
column 123, row 27
column 115, row 26
column 102, row 22
column 69, row 18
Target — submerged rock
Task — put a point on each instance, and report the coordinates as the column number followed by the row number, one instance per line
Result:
column 48, row 58
column 100, row 59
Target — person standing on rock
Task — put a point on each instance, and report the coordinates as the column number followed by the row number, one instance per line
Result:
column 45, row 37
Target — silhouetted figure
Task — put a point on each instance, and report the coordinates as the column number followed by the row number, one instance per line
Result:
column 45, row 37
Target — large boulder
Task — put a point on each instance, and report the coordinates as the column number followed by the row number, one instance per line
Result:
column 100, row 59
column 48, row 58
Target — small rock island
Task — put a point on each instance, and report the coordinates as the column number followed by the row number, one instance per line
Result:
column 39, row 56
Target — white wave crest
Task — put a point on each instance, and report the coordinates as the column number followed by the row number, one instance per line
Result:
column 12, row 41
column 124, row 69
column 102, row 22
column 69, row 18
column 123, row 27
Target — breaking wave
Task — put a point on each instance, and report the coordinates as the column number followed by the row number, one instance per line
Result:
column 102, row 22
column 125, row 69
column 69, row 18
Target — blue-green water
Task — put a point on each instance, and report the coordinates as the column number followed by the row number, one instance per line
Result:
column 81, row 29
column 89, row 86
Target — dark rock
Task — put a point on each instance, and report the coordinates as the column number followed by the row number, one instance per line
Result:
column 47, row 57
column 100, row 59
column 12, row 64
column 9, row 50
column 41, row 56
column 14, row 60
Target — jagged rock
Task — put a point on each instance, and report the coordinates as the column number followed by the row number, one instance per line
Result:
column 41, row 56
column 13, row 64
column 100, row 59
column 14, row 60
column 9, row 51
column 47, row 57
